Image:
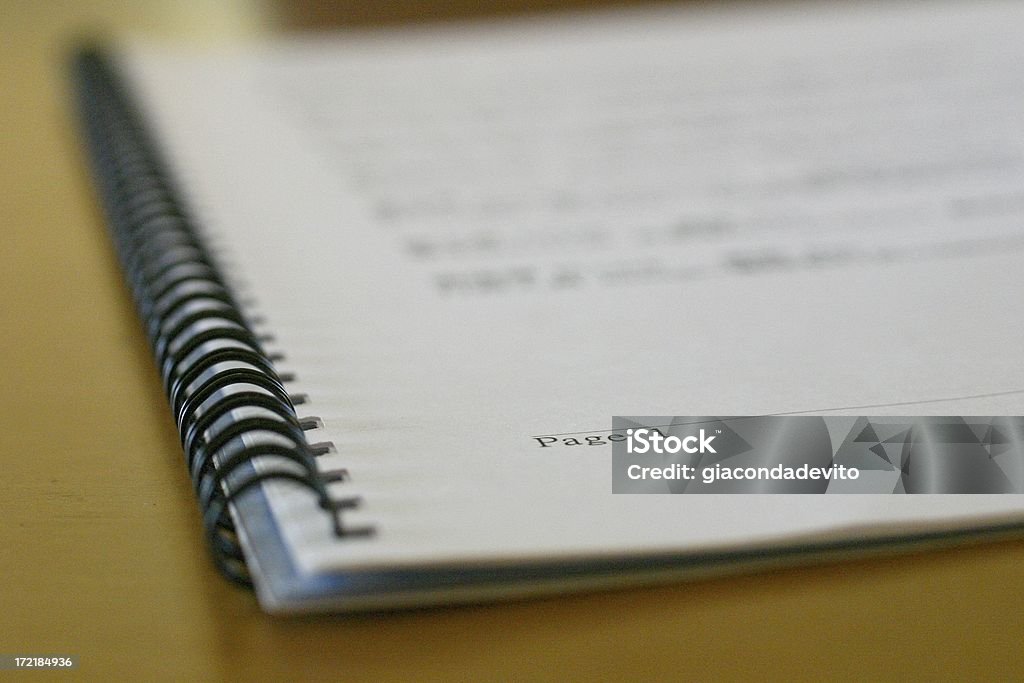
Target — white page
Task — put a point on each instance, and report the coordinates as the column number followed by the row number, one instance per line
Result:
column 464, row 238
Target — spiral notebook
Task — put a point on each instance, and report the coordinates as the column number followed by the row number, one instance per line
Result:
column 399, row 282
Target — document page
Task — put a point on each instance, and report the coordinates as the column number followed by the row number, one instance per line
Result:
column 476, row 244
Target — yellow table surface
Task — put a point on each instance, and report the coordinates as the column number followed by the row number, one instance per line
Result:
column 100, row 548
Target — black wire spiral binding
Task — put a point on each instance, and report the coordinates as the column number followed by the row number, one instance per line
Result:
column 229, row 403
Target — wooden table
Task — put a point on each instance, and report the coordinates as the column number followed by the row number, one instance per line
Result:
column 100, row 550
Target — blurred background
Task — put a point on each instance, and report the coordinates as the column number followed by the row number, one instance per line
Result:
column 310, row 14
